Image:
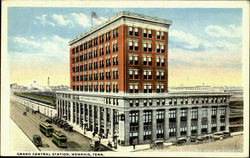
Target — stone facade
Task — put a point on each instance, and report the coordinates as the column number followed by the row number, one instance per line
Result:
column 144, row 118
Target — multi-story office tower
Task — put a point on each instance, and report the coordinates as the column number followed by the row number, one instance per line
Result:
column 128, row 54
column 119, row 78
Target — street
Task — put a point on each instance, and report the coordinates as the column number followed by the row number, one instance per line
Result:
column 29, row 124
column 232, row 144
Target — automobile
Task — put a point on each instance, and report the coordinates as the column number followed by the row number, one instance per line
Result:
column 157, row 144
column 95, row 144
column 227, row 134
column 192, row 139
column 54, row 119
column 218, row 135
column 68, row 128
column 200, row 139
column 62, row 124
column 37, row 140
column 58, row 122
column 48, row 120
column 181, row 141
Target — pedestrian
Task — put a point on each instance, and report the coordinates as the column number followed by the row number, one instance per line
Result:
column 134, row 146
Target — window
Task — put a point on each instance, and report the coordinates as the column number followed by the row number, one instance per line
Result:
column 133, row 59
column 136, row 31
column 194, row 113
column 157, row 48
column 183, row 112
column 133, row 88
column 108, row 76
column 108, row 63
column 133, row 74
column 172, row 132
column 115, row 33
column 147, row 135
column 114, row 46
column 145, row 33
column 101, row 52
column 147, row 116
column 107, row 50
column 149, row 47
column 115, row 74
column 115, row 88
column 147, row 88
column 162, row 35
column 160, row 61
column 160, row 114
column 158, row 102
column 149, row 33
column 133, row 45
column 95, row 88
column 107, row 36
column 213, row 111
column 172, row 113
column 145, row 47
column 204, row 112
column 147, row 74
column 133, row 117
column 222, row 110
column 158, row 35
column 130, row 30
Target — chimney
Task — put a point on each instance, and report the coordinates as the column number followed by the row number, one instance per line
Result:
column 48, row 81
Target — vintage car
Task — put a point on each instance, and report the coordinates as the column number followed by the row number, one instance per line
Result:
column 48, row 120
column 37, row 140
column 227, row 134
column 218, row 135
column 95, row 144
column 157, row 144
column 181, row 141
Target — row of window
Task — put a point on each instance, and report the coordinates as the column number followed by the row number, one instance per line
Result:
column 146, row 47
column 147, row 33
column 95, row 76
column 94, row 42
column 198, row 100
column 101, row 88
column 183, row 112
column 89, row 56
column 147, row 88
column 96, row 64
column 146, row 60
column 147, row 74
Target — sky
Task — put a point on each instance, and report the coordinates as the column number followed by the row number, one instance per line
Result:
column 205, row 45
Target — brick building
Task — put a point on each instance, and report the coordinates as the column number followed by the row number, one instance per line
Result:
column 119, row 78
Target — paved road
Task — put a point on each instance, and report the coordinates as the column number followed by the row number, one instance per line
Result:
column 232, row 144
column 30, row 125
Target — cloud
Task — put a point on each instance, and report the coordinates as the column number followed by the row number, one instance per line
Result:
column 45, row 47
column 215, row 59
column 24, row 41
column 189, row 41
column 37, row 57
column 43, row 20
column 61, row 20
column 71, row 19
column 230, row 31
column 81, row 19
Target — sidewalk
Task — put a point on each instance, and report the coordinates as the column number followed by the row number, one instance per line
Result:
column 140, row 147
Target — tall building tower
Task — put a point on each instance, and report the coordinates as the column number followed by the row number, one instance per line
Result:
column 126, row 54
column 119, row 82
